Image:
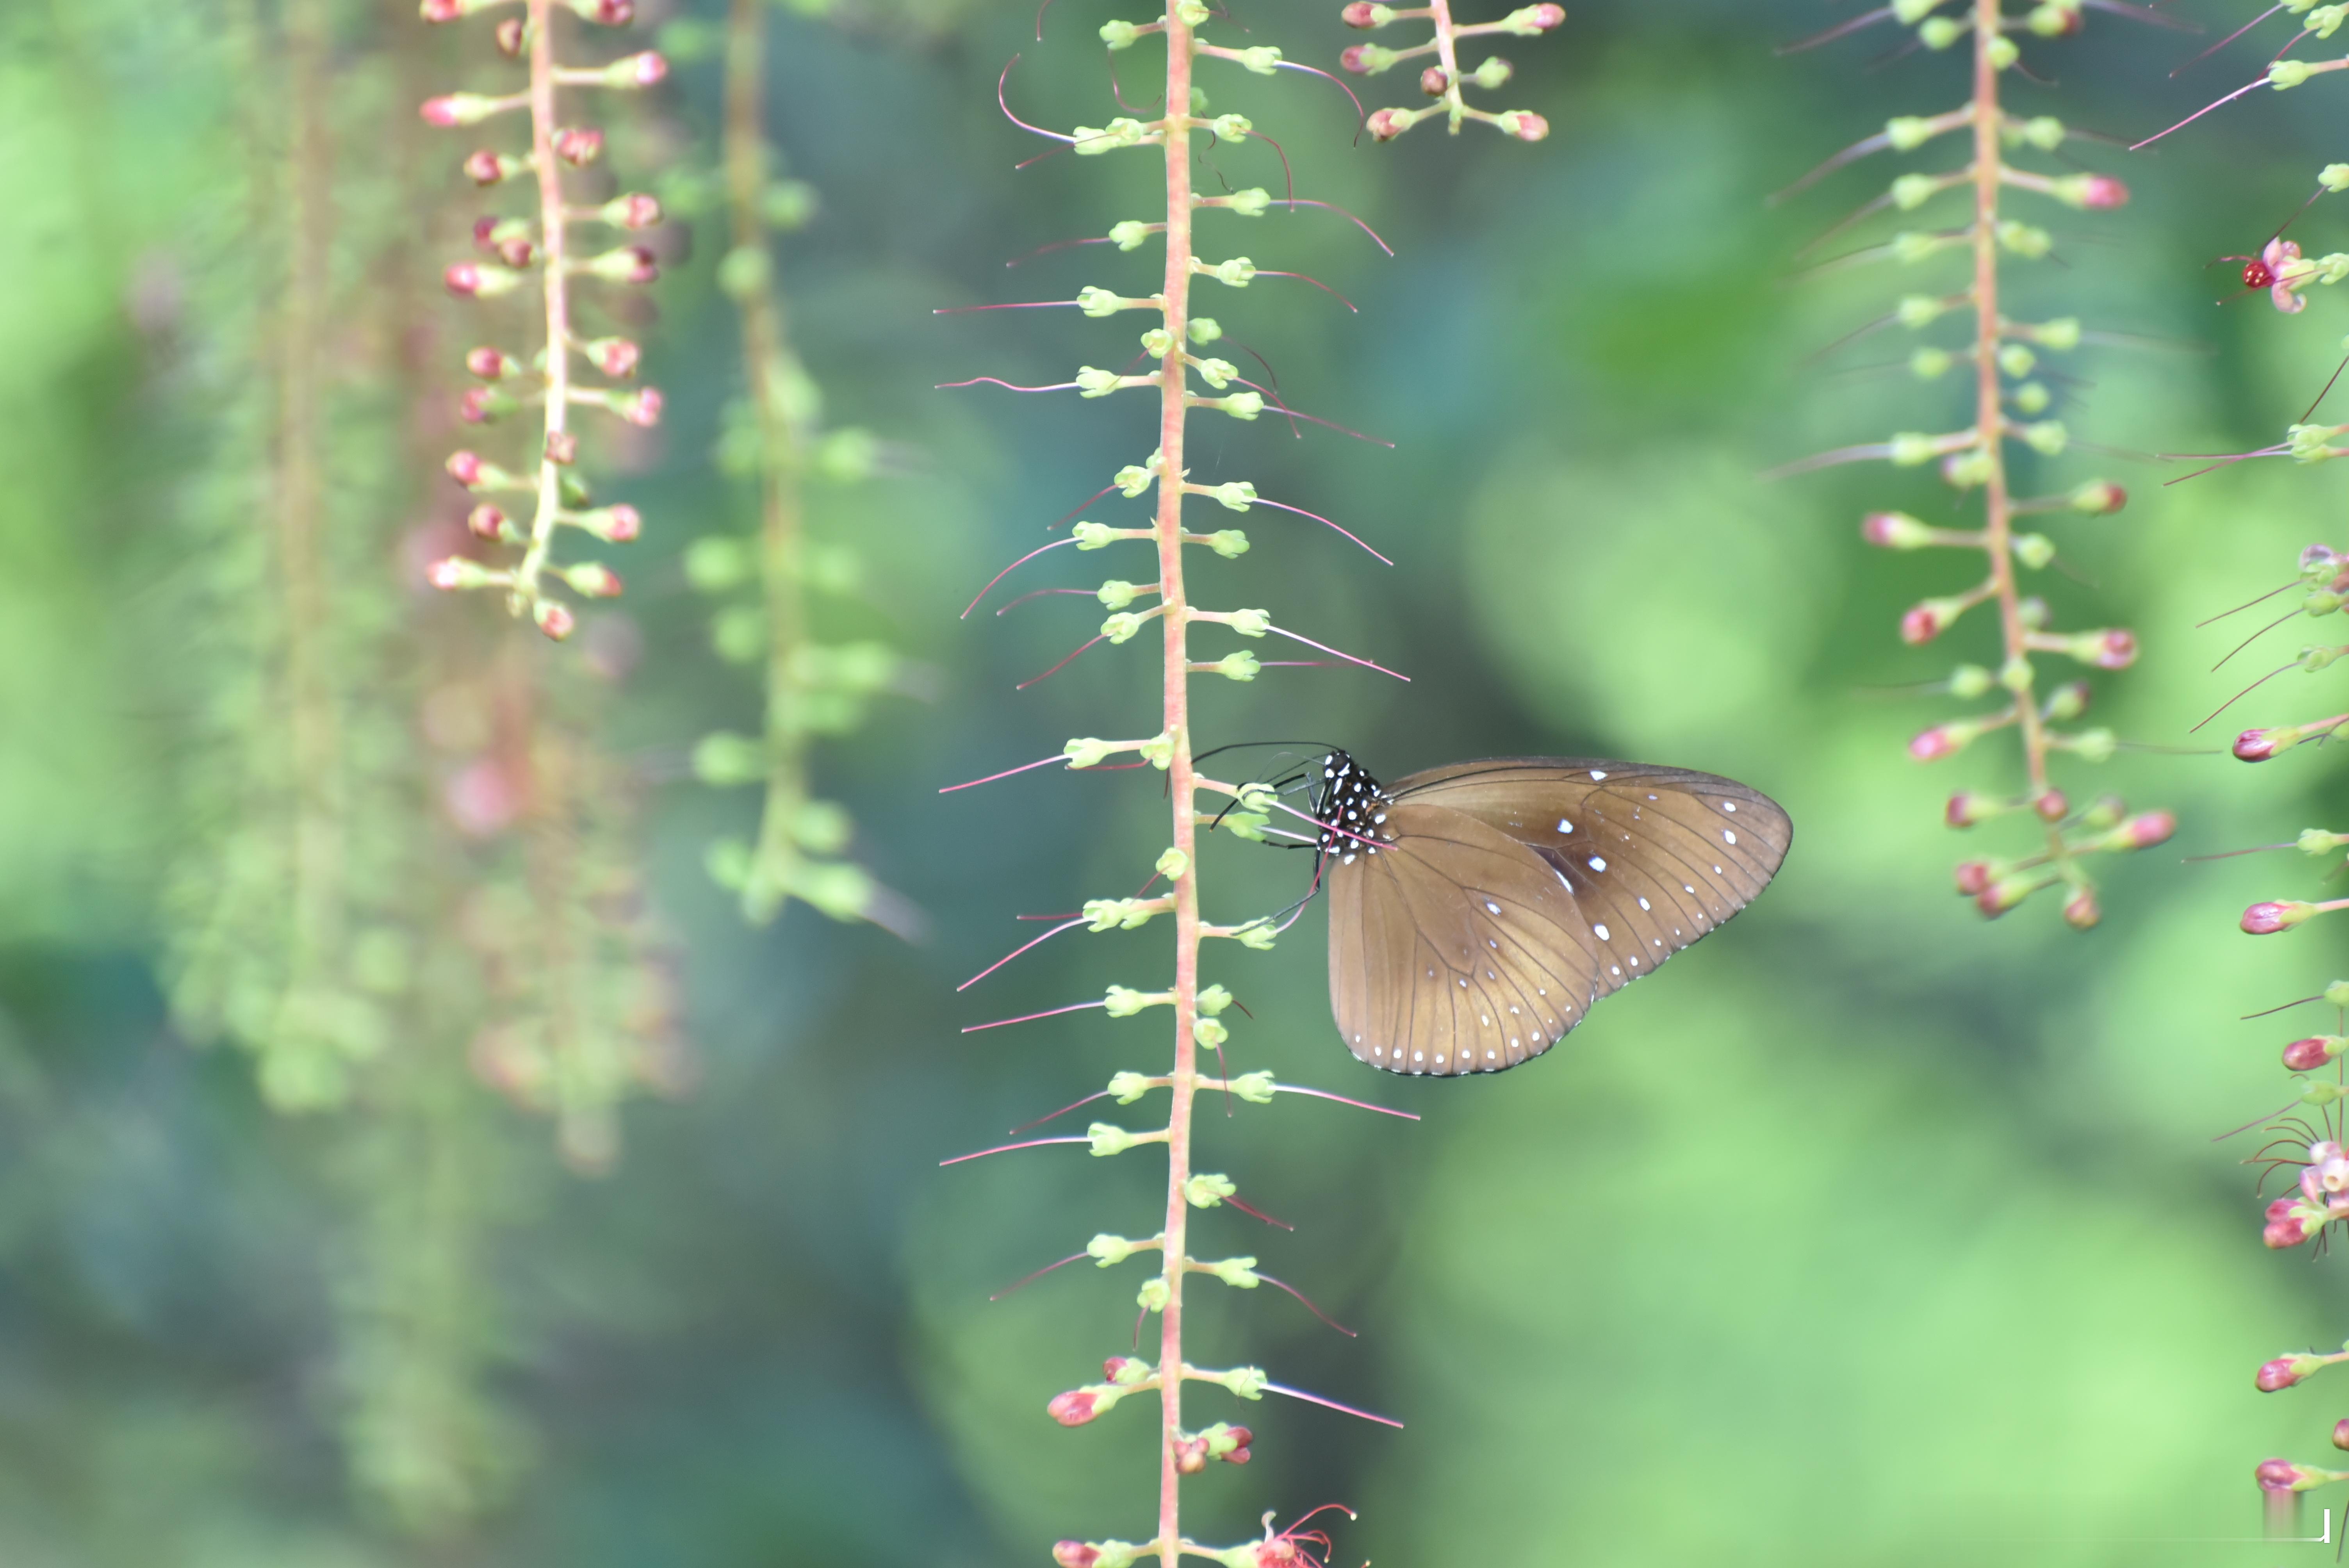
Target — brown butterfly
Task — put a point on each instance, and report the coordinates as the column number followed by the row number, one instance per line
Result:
column 1478, row 910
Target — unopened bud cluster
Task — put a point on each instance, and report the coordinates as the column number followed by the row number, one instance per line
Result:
column 2002, row 358
column 535, row 253
column 1444, row 79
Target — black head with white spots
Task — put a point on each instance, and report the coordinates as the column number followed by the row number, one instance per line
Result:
column 1350, row 807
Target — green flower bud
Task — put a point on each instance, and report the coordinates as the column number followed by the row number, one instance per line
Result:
column 1906, row 132
column 1217, row 373
column 1116, row 594
column 2034, row 550
column 1132, row 480
column 1121, row 626
column 2024, row 240
column 1242, row 404
column 1087, row 752
column 1229, row 542
column 1120, row 34
column 2062, row 335
column 1207, row 1189
column 1124, row 1002
column 1239, row 1272
column 1909, row 247
column 2334, row 177
column 714, row 563
column 1263, row 59
column 1969, row 681
column 1129, row 236
column 1234, row 495
column 1110, row 1139
column 1202, row 329
column 1941, row 32
column 1910, row 192
column 2031, row 397
column 2283, row 73
column 1127, row 1088
column 1172, row 863
column 739, row 632
column 1371, row 58
column 2047, row 438
column 1259, row 935
column 2015, row 674
column 1911, row 449
column 1192, row 12
column 1152, row 1296
column 1095, row 382
column 722, row 760
column 1157, row 342
column 1235, row 271
column 2003, row 53
column 1256, row 1088
column 1493, row 75
column 1251, row 623
column 1918, row 310
column 1909, row 13
column 1210, row 1032
column 1098, row 301
column 1927, row 364
column 2016, row 360
column 822, row 827
column 728, row 863
column 2095, row 745
column 2045, row 132
column 1108, row 1250
column 1248, row 825
column 1093, row 535
column 1158, row 750
column 1239, row 666
column 1213, row 1000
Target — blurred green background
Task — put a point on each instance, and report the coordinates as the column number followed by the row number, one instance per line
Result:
column 1873, row 1234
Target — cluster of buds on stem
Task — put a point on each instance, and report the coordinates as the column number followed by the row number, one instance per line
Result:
column 1443, row 80
column 536, row 253
column 2011, row 399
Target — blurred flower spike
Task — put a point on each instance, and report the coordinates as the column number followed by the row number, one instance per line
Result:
column 537, row 249
column 1444, row 81
column 2011, row 394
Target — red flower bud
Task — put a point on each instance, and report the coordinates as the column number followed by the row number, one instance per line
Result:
column 484, row 166
column 2115, row 649
column 465, row 467
column 2099, row 497
column 486, row 521
column 2100, row 189
column 634, row 211
column 462, row 279
column 1385, row 124
column 2148, row 829
column 516, row 251
column 555, row 620
column 2341, row 1434
column 1548, row 16
column 1927, row 620
column 1350, row 59
column 1525, row 124
column 510, row 34
column 1075, row 1554
column 2281, row 1373
column 1358, row 14
column 1972, row 877
column 2081, row 912
column 643, row 408
column 608, row 12
column 2003, row 894
column 491, row 364
column 638, row 70
column 1966, row 807
column 444, row 111
column 2253, row 746
column 1124, row 1369
column 625, row 523
column 1073, row 1408
column 475, row 406
column 2267, row 919
column 594, row 580
column 440, row 10
column 1433, row 82
column 2307, row 1055
column 2051, row 806
column 563, row 447
column 2283, row 1227
column 579, row 146
column 448, row 572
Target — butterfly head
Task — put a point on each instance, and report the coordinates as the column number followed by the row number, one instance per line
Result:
column 1350, row 806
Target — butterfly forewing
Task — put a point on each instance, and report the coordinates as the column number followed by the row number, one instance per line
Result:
column 1573, row 877
column 1453, row 949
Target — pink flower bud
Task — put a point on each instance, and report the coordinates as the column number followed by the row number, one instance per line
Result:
column 2148, row 829
column 2267, row 919
column 623, row 523
column 440, row 10
column 2051, row 806
column 628, row 264
column 638, row 71
column 1190, row 1455
column 579, row 146
column 476, row 406
column 1075, row 1554
column 555, row 620
column 643, row 408
column 1548, row 16
column 1385, row 124
column 1972, row 877
column 1350, row 59
column 2081, row 911
column 460, row 109
column 1894, row 530
column 486, row 521
column 563, row 447
column 2341, row 1434
column 2101, row 189
column 510, row 35
column 607, row 13
column 1967, row 807
column 2254, row 745
column 1932, row 745
column 516, row 251
column 1073, row 1408
column 2277, row 1475
column 2283, row 1227
column 2307, row 1055
column 1126, row 1369
column 1433, row 82
column 2279, row 1374
column 491, row 364
column 614, row 357
column 634, row 211
column 2115, row 649
column 1928, row 619
column 470, row 280
column 1524, row 123
column 2003, row 894
column 484, row 166
column 448, row 571
column 465, row 467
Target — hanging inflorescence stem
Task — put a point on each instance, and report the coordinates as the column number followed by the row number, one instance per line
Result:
column 2008, row 404
column 545, row 241
column 1244, row 808
column 1444, row 81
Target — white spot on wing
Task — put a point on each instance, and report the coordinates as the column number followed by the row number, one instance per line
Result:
column 1596, row 775
column 1596, row 865
column 1602, row 934
column 1727, row 837
column 1564, row 826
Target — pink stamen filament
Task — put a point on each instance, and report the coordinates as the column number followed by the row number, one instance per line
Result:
column 1331, row 1404
column 1008, row 1148
column 1064, row 925
column 1031, row 1018
column 1008, row 571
